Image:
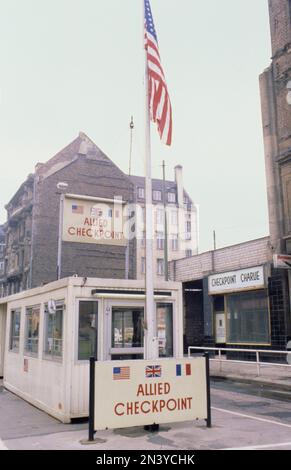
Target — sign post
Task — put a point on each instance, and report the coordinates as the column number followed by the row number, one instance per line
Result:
column 91, row 399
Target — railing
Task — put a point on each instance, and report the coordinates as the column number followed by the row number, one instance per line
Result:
column 257, row 352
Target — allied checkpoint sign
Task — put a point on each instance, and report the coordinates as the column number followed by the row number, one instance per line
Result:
column 140, row 393
column 93, row 221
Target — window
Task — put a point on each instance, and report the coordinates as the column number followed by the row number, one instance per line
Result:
column 174, row 242
column 188, row 253
column 165, row 329
column 143, row 266
column 160, row 267
column 141, row 193
column 171, row 197
column 174, row 217
column 14, row 331
column 160, row 241
column 160, row 216
column 143, row 240
column 31, row 330
column 157, row 195
column 188, row 230
column 53, row 333
column 127, row 327
column 248, row 318
column 1, row 266
column 88, row 327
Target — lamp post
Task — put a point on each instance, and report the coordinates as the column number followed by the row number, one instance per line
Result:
column 61, row 186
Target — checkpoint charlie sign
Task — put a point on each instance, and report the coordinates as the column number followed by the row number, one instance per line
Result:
column 91, row 221
column 243, row 279
column 139, row 393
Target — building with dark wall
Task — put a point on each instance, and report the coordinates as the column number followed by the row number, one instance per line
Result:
column 33, row 220
column 275, row 86
column 233, row 297
column 2, row 259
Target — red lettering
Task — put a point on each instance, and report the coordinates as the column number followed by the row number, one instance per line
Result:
column 167, row 388
column 115, row 409
column 140, row 390
column 71, row 231
column 175, row 405
column 162, row 405
column 142, row 407
column 155, row 406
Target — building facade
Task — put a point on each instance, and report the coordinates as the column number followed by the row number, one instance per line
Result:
column 233, row 297
column 2, row 259
column 32, row 232
column 79, row 173
column 182, row 222
column 275, row 86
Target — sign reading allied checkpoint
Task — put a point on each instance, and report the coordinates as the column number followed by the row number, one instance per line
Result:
column 139, row 393
column 90, row 221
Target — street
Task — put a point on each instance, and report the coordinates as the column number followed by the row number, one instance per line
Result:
column 243, row 418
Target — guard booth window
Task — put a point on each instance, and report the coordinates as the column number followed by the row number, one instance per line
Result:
column 127, row 327
column 53, row 338
column 32, row 330
column 165, row 329
column 87, row 333
column 14, row 331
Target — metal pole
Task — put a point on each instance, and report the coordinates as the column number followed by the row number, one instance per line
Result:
column 214, row 240
column 61, row 212
column 208, row 420
column 258, row 362
column 91, row 399
column 151, row 351
column 165, row 225
column 131, row 126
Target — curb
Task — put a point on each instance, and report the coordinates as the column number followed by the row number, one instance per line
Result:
column 274, row 386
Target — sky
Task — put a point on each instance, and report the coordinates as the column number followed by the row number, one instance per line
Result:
column 77, row 65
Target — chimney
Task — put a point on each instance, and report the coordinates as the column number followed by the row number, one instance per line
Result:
column 179, row 183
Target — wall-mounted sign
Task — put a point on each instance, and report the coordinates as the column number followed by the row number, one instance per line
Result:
column 244, row 279
column 138, row 393
column 90, row 221
column 282, row 261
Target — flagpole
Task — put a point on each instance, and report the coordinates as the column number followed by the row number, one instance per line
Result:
column 151, row 350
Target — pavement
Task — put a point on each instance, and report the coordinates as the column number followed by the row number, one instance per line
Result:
column 273, row 377
column 243, row 418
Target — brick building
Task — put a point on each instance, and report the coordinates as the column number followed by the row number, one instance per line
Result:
column 33, row 219
column 275, row 85
column 233, row 297
column 2, row 259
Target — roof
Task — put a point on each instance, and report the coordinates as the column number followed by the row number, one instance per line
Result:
column 157, row 184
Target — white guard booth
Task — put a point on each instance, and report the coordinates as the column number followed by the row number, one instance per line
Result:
column 48, row 334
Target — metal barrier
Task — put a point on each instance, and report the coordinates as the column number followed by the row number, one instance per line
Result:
column 257, row 352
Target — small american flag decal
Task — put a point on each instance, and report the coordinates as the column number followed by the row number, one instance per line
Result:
column 77, row 209
column 121, row 373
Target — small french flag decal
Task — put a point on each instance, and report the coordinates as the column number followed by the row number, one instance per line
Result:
column 183, row 369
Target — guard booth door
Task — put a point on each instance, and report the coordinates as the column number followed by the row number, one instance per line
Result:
column 125, row 329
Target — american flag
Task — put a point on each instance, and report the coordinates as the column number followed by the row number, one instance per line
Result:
column 77, row 209
column 153, row 371
column 121, row 373
column 159, row 101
